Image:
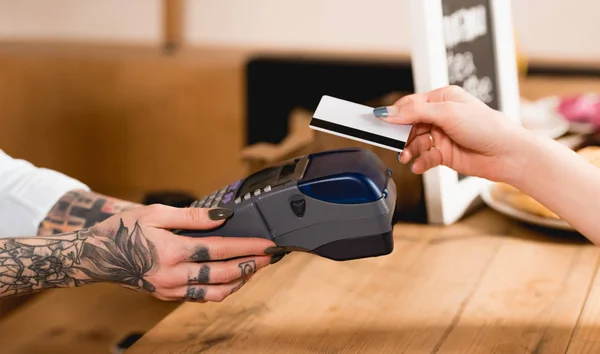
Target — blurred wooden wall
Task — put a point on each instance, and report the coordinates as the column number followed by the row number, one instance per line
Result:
column 124, row 120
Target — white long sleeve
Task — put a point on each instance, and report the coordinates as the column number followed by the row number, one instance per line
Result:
column 27, row 193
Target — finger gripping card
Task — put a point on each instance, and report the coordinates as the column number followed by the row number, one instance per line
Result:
column 357, row 122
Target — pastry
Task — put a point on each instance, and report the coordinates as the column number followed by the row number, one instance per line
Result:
column 510, row 195
column 591, row 154
column 507, row 194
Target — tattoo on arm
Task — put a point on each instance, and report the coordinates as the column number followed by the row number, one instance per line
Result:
column 78, row 210
column 82, row 257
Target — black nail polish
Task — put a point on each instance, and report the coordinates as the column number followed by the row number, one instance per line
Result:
column 276, row 258
column 381, row 112
column 220, row 214
column 274, row 250
column 128, row 341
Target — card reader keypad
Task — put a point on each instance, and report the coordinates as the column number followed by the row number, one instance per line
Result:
column 225, row 196
column 256, row 193
column 212, row 200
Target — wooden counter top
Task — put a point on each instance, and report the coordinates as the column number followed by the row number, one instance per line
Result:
column 484, row 285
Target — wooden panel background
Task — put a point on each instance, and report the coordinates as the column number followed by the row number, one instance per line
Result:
column 124, row 121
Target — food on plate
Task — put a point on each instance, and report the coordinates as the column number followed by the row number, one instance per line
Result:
column 591, row 154
column 506, row 194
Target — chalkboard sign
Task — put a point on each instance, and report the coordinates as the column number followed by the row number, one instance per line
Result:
column 470, row 52
column 468, row 43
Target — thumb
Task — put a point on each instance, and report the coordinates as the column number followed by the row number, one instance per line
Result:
column 441, row 114
column 445, row 94
column 168, row 217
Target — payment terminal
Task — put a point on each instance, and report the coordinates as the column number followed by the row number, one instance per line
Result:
column 336, row 204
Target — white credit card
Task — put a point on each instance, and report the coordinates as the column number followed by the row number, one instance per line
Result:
column 357, row 122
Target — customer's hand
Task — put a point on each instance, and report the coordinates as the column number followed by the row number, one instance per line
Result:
column 454, row 129
column 136, row 249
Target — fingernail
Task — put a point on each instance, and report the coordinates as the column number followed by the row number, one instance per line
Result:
column 399, row 156
column 276, row 258
column 381, row 112
column 274, row 250
column 412, row 168
column 220, row 213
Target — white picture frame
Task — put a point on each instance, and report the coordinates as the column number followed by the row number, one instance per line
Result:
column 447, row 197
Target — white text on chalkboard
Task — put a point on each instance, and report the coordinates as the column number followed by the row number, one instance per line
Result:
column 461, row 68
column 465, row 25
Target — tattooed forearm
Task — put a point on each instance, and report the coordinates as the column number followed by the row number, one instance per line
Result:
column 78, row 210
column 82, row 257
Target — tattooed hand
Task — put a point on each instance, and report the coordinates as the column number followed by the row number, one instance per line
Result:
column 135, row 249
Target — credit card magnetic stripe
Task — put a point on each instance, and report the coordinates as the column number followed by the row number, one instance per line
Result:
column 334, row 127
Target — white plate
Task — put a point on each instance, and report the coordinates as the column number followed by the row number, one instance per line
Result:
column 520, row 215
column 557, row 130
column 542, row 118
